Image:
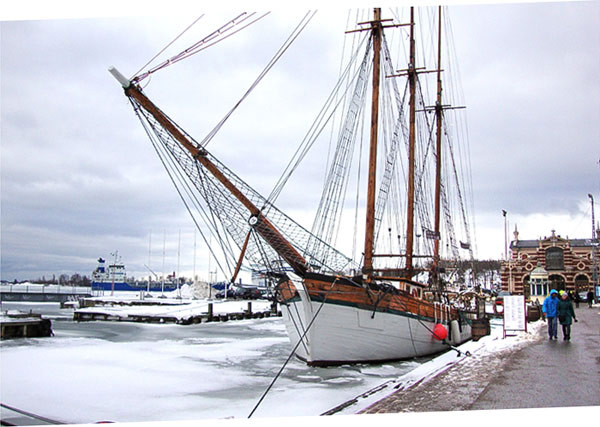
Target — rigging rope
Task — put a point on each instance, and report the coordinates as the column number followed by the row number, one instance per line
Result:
column 314, row 131
column 293, row 36
column 166, row 47
column 168, row 164
column 215, row 37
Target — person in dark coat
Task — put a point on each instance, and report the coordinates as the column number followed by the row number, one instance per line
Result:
column 566, row 315
column 577, row 299
column 590, row 298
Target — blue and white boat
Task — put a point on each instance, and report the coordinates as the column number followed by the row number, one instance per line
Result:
column 113, row 277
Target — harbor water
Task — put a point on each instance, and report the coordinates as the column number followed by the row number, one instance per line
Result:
column 127, row 372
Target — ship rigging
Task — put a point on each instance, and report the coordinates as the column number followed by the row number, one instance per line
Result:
column 383, row 304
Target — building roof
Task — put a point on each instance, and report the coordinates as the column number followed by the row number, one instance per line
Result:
column 535, row 243
column 524, row 244
column 581, row 242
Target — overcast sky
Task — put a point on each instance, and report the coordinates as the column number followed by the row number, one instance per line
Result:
column 80, row 179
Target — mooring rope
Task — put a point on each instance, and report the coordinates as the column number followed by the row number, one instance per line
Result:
column 293, row 350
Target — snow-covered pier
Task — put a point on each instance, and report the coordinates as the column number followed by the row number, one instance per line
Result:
column 169, row 310
column 24, row 325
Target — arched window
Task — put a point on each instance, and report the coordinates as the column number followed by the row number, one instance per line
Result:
column 557, row 282
column 581, row 282
column 554, row 259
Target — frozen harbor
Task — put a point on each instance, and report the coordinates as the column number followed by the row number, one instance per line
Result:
column 125, row 372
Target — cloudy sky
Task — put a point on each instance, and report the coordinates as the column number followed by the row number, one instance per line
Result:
column 80, row 180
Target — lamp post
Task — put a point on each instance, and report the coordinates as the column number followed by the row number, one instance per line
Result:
column 593, row 219
column 594, row 250
column 506, row 260
column 505, row 236
column 112, row 288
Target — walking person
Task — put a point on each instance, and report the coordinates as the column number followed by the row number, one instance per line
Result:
column 549, row 309
column 590, row 298
column 566, row 315
column 577, row 299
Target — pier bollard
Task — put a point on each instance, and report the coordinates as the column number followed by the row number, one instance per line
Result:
column 249, row 308
column 210, row 311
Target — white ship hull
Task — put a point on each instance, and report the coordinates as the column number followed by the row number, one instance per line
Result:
column 345, row 334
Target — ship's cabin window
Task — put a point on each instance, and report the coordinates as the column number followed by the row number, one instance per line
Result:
column 554, row 259
column 415, row 291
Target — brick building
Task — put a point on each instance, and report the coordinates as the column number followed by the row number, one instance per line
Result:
column 567, row 264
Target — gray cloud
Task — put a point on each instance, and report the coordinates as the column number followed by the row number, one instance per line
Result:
column 79, row 178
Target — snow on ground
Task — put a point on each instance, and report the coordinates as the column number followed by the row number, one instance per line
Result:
column 485, row 347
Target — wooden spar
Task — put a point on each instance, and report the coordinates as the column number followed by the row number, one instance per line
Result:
column 412, row 77
column 241, row 258
column 438, row 150
column 370, row 220
column 260, row 223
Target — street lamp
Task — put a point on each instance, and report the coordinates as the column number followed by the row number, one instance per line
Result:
column 594, row 250
column 505, row 236
column 112, row 288
column 593, row 219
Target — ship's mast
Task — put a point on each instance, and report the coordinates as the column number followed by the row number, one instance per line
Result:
column 412, row 82
column 438, row 150
column 376, row 30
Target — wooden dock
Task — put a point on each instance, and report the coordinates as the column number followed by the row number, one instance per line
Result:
column 24, row 325
column 205, row 317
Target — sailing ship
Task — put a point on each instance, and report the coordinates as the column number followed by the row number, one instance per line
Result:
column 386, row 304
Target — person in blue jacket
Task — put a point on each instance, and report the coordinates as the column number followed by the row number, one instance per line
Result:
column 549, row 309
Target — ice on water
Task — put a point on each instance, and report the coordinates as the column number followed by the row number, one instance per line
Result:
column 118, row 371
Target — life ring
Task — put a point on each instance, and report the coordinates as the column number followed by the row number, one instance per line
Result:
column 440, row 333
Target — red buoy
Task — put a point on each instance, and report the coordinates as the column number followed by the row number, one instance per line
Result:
column 439, row 332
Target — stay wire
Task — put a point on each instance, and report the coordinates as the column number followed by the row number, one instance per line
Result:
column 208, row 220
column 167, row 160
column 315, row 130
column 169, row 173
column 293, row 36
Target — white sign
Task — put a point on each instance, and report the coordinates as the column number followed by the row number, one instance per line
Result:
column 515, row 315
